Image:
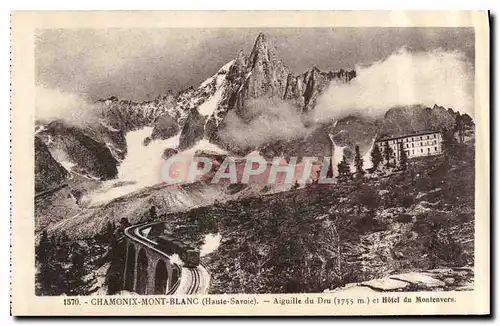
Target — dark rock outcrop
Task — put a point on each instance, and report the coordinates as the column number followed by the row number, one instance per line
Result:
column 165, row 127
column 169, row 152
column 49, row 174
column 127, row 115
column 316, row 144
column 72, row 144
column 411, row 119
column 192, row 131
column 354, row 130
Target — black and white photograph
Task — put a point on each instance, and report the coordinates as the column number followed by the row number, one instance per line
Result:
column 390, row 111
column 225, row 163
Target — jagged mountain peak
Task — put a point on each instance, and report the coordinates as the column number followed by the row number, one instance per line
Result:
column 263, row 51
column 261, row 43
column 245, row 85
column 261, row 38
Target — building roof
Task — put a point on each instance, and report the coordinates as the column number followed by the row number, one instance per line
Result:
column 428, row 132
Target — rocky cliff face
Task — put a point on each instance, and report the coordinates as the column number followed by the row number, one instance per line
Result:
column 79, row 151
column 406, row 120
column 49, row 174
column 127, row 115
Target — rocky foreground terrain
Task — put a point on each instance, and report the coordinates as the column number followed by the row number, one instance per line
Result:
column 439, row 279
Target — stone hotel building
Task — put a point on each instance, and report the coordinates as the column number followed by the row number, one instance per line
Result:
column 416, row 145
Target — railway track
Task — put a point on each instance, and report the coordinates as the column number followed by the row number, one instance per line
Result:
column 191, row 280
column 195, row 281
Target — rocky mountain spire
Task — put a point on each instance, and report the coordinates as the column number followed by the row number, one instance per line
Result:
column 267, row 75
column 255, row 81
column 262, row 51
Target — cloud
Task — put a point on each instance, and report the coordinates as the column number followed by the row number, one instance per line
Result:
column 52, row 104
column 404, row 78
column 139, row 64
column 268, row 120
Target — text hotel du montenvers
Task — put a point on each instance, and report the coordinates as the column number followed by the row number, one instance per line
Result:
column 233, row 301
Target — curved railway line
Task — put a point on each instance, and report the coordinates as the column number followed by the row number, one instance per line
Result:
column 193, row 280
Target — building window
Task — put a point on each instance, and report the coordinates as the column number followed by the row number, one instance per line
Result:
column 434, row 135
column 407, row 145
column 421, row 150
column 411, row 138
column 428, row 150
column 420, row 143
column 413, row 151
column 412, row 145
column 427, row 137
column 435, row 149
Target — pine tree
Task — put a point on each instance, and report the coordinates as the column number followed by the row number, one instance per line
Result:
column 403, row 158
column 50, row 276
column 108, row 233
column 449, row 142
column 152, row 213
column 376, row 157
column 460, row 128
column 44, row 249
column 44, row 254
column 77, row 281
column 358, row 162
column 343, row 169
column 387, row 153
column 116, row 257
column 329, row 173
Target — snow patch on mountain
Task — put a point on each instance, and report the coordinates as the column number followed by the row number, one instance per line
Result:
column 225, row 68
column 143, row 163
column 67, row 165
column 140, row 168
column 254, row 153
column 209, row 106
column 107, row 126
column 210, row 244
column 338, row 153
column 205, row 145
column 367, row 158
column 207, row 82
column 40, row 129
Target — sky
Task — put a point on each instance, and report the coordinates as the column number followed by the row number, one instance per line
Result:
column 141, row 64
